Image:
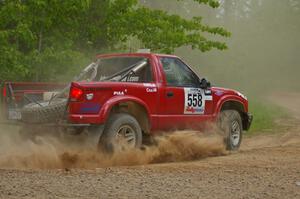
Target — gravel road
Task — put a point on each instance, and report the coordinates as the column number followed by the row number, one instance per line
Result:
column 267, row 166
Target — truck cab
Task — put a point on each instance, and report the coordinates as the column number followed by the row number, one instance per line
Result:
column 143, row 93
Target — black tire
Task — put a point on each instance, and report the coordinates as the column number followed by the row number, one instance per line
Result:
column 47, row 113
column 109, row 140
column 230, row 124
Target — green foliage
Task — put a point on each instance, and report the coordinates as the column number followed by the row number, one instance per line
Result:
column 265, row 116
column 212, row 3
column 42, row 39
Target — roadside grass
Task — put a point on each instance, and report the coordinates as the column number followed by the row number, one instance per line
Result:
column 265, row 115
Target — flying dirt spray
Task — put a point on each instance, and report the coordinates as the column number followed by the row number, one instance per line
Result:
column 51, row 153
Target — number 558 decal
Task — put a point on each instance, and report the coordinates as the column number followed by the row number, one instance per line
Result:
column 194, row 101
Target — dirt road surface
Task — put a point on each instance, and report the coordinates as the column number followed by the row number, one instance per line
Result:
column 267, row 166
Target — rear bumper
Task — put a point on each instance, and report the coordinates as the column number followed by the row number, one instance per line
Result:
column 248, row 121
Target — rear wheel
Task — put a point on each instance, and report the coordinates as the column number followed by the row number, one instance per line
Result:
column 230, row 123
column 121, row 132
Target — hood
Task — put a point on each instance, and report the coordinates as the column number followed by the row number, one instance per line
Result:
column 219, row 91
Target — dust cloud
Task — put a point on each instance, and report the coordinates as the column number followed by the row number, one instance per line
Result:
column 263, row 50
column 50, row 152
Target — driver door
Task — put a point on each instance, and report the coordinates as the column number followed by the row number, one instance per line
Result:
column 182, row 100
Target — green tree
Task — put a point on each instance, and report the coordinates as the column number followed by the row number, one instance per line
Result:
column 49, row 39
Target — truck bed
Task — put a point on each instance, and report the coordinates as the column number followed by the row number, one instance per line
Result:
column 16, row 95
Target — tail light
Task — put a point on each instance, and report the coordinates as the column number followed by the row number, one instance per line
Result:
column 76, row 94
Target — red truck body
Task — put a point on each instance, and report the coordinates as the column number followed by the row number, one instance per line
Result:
column 15, row 95
column 156, row 105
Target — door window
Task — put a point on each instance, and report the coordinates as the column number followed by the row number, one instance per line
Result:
column 178, row 74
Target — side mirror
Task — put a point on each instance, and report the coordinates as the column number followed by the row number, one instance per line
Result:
column 204, row 84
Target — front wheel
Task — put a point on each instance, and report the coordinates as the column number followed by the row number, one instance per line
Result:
column 122, row 131
column 230, row 123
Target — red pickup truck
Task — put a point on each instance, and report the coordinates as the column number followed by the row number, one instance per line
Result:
column 137, row 94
